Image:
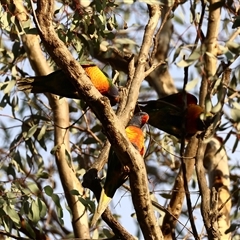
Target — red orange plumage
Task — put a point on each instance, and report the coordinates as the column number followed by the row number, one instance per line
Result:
column 168, row 114
column 58, row 83
column 117, row 174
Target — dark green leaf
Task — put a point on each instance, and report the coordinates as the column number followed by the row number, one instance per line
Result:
column 232, row 228
column 166, row 195
column 48, row 190
column 89, row 140
column 42, row 207
column 75, row 192
column 107, row 233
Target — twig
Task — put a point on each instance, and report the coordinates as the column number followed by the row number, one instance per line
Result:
column 199, row 26
column 12, row 236
column 35, row 17
column 234, row 35
column 153, row 67
column 184, row 170
column 157, row 35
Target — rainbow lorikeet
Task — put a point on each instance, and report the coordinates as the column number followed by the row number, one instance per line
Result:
column 117, row 174
column 57, row 83
column 167, row 114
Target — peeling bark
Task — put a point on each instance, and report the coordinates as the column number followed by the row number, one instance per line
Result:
column 216, row 162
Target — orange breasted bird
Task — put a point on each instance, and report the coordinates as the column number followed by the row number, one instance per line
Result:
column 167, row 114
column 57, row 83
column 117, row 174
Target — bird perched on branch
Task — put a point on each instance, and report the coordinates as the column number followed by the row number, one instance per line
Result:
column 117, row 174
column 58, row 83
column 167, row 114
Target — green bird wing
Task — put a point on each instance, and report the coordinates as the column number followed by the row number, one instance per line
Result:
column 112, row 93
column 116, row 176
column 164, row 116
column 58, row 83
column 177, row 99
column 55, row 83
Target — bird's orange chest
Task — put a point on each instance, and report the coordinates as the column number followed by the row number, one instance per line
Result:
column 136, row 137
column 98, row 78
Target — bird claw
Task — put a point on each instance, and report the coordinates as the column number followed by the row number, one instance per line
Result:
column 126, row 169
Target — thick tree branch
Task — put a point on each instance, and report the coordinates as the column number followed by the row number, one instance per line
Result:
column 216, row 162
column 210, row 57
column 113, row 128
column 210, row 66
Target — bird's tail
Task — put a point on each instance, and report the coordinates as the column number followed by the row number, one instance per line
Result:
column 30, row 84
column 102, row 205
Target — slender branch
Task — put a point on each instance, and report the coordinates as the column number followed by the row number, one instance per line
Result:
column 234, row 35
column 154, row 12
column 199, row 25
column 157, row 36
column 180, row 189
column 184, row 169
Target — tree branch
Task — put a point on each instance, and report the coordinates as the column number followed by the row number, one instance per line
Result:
column 210, row 67
column 113, row 128
column 216, row 162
